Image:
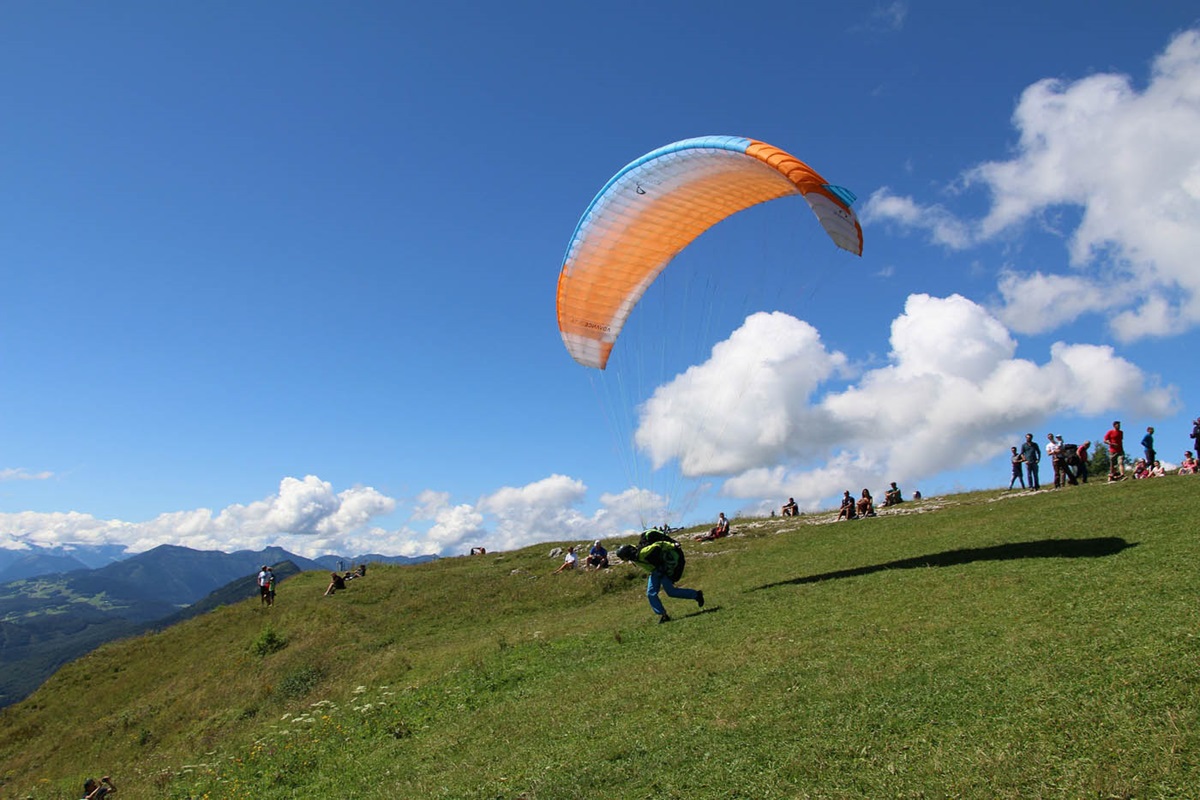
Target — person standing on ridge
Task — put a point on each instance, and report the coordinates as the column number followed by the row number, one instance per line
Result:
column 664, row 561
column 1031, row 454
column 1017, row 475
column 264, row 585
column 1148, row 446
column 1115, row 439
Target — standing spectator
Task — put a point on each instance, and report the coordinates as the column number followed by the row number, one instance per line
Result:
column 1148, row 446
column 1017, row 475
column 264, row 585
column 1196, row 435
column 1031, row 454
column 1083, row 459
column 1115, row 439
column 1053, row 453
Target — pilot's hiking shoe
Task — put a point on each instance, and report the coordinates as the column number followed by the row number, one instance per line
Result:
column 700, row 599
column 663, row 618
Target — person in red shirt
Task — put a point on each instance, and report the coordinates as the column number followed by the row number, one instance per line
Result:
column 1115, row 439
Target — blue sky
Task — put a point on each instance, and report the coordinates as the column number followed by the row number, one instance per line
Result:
column 284, row 273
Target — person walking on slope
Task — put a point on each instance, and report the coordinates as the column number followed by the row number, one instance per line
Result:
column 664, row 562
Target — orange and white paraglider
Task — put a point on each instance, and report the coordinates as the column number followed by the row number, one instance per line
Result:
column 655, row 207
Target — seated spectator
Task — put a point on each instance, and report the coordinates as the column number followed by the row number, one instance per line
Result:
column 1157, row 471
column 718, row 530
column 866, row 505
column 96, row 791
column 790, row 509
column 1188, row 466
column 569, row 560
column 847, row 511
column 917, row 495
column 597, row 556
column 1140, row 469
column 892, row 496
column 336, row 583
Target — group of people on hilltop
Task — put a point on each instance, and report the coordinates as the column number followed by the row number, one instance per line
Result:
column 864, row 505
column 1070, row 461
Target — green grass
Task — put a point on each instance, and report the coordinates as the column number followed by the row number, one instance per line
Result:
column 995, row 645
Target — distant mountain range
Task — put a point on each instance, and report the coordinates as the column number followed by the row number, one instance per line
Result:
column 58, row 609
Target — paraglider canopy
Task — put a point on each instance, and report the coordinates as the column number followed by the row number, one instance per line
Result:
column 655, row 207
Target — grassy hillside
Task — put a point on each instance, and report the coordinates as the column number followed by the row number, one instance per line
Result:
column 987, row 645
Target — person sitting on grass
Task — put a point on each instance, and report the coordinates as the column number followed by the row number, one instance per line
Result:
column 336, row 583
column 866, row 505
column 893, row 496
column 96, row 791
column 597, row 556
column 847, row 511
column 790, row 509
column 719, row 530
column 1188, row 466
column 569, row 560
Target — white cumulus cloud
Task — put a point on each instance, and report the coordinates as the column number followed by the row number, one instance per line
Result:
column 953, row 393
column 1129, row 161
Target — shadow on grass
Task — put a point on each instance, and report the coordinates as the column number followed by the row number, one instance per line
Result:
column 1045, row 548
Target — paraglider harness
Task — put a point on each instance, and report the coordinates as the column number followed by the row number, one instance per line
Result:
column 672, row 559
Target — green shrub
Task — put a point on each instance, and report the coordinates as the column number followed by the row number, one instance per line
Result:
column 269, row 641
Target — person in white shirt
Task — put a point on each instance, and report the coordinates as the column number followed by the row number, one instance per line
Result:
column 1052, row 453
column 569, row 561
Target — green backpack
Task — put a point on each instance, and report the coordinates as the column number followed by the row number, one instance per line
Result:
column 670, row 553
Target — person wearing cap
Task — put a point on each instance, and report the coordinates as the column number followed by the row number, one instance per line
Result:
column 264, row 585
column 597, row 556
column 1052, row 453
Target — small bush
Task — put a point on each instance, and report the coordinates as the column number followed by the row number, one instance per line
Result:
column 268, row 642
